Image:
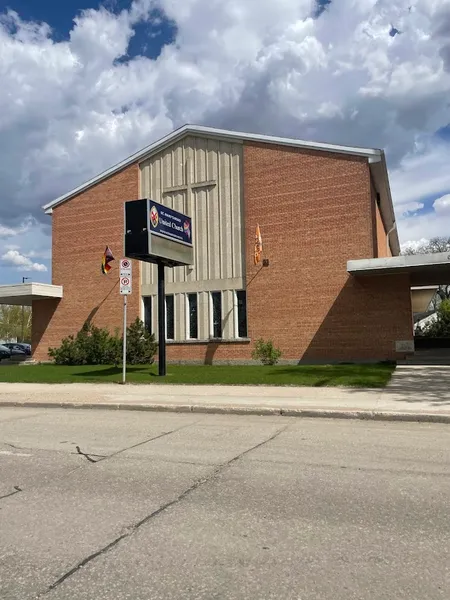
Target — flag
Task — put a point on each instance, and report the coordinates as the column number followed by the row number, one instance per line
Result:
column 258, row 246
column 107, row 258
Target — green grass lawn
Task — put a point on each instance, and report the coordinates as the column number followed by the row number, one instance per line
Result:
column 303, row 375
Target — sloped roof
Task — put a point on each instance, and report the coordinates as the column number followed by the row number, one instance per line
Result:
column 375, row 157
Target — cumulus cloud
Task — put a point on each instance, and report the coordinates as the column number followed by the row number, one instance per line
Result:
column 442, row 205
column 72, row 108
column 23, row 263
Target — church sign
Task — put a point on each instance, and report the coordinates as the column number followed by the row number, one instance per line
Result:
column 157, row 234
column 169, row 223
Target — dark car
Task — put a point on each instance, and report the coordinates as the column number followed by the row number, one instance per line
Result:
column 5, row 352
column 16, row 349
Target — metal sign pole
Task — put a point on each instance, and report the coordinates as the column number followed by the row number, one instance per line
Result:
column 124, row 359
column 125, row 289
column 161, row 320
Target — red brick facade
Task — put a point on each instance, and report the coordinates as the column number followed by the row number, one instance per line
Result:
column 316, row 211
column 81, row 229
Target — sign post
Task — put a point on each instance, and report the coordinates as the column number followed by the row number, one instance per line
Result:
column 161, row 320
column 125, row 290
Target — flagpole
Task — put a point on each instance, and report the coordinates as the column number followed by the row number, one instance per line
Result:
column 124, row 359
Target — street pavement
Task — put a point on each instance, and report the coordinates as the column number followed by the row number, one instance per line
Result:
column 115, row 505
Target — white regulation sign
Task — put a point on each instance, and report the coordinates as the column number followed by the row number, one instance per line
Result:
column 125, row 277
column 125, row 286
column 125, row 267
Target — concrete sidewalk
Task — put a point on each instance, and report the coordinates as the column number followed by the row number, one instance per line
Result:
column 414, row 394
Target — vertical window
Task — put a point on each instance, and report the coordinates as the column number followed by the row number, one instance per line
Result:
column 241, row 297
column 148, row 313
column 216, row 302
column 170, row 317
column 192, row 316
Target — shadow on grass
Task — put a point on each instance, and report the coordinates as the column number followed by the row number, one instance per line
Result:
column 331, row 375
column 111, row 371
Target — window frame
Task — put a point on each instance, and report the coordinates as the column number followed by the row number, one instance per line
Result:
column 211, row 312
column 188, row 316
column 236, row 319
column 170, row 339
column 150, row 300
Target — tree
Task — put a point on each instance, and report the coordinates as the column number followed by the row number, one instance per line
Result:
column 434, row 246
column 441, row 326
column 11, row 323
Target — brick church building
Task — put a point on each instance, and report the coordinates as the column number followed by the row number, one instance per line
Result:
column 328, row 232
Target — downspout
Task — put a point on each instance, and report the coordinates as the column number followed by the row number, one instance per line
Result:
column 393, row 228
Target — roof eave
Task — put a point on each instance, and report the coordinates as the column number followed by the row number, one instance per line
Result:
column 145, row 153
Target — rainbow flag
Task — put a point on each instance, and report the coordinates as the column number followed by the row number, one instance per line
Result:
column 107, row 258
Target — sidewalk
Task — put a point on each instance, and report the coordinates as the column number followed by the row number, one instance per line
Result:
column 414, row 394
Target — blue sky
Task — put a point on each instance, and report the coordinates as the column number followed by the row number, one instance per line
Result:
column 80, row 96
column 147, row 40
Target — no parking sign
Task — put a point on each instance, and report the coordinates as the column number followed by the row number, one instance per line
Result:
column 125, row 277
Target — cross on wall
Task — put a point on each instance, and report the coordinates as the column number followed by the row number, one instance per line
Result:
column 189, row 186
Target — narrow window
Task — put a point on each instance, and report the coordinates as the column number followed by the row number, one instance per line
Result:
column 148, row 313
column 193, row 316
column 241, row 297
column 216, row 301
column 170, row 317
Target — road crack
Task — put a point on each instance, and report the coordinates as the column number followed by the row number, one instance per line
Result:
column 17, row 489
column 133, row 528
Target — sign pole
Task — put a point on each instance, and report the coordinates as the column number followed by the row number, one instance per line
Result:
column 124, row 359
column 161, row 320
column 125, row 289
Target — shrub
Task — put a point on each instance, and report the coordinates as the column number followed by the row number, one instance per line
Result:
column 96, row 346
column 266, row 352
column 141, row 345
column 66, row 354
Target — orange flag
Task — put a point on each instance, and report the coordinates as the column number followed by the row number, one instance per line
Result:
column 258, row 245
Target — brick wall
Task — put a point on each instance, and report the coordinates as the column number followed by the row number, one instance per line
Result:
column 81, row 229
column 315, row 212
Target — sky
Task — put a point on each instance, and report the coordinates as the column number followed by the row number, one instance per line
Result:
column 83, row 85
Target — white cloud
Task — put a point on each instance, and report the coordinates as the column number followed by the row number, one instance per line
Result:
column 8, row 232
column 23, row 263
column 70, row 109
column 442, row 205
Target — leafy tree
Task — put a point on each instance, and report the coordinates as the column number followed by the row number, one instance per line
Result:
column 11, row 323
column 441, row 326
column 434, row 246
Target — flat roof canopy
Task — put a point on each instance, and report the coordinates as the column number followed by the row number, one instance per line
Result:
column 423, row 269
column 23, row 294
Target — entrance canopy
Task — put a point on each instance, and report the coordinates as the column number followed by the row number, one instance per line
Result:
column 24, row 294
column 423, row 269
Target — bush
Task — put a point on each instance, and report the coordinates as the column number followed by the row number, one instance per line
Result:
column 266, row 352
column 96, row 346
column 141, row 345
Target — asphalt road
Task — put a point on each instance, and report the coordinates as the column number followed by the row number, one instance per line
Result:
column 104, row 505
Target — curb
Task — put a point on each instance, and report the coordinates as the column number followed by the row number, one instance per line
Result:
column 367, row 415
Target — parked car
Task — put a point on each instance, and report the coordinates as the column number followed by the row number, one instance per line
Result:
column 16, row 349
column 5, row 352
column 19, row 346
